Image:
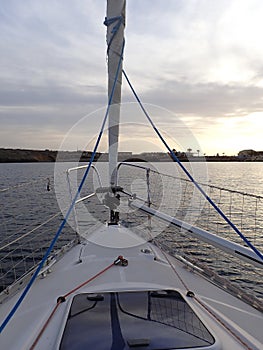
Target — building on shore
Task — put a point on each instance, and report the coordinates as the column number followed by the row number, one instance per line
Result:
column 250, row 155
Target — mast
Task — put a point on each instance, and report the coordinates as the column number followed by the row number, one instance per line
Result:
column 115, row 22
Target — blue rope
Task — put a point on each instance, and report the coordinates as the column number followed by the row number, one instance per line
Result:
column 176, row 159
column 41, row 264
column 108, row 21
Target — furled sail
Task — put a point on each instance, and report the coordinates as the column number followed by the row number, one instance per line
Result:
column 115, row 22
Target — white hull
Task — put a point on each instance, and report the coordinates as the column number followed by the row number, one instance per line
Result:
column 230, row 321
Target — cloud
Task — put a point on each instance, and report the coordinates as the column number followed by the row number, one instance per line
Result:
column 52, row 94
column 200, row 59
column 207, row 99
column 198, row 41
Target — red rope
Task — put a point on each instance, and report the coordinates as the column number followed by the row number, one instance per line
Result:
column 202, row 304
column 89, row 280
column 45, row 326
column 63, row 298
column 223, row 324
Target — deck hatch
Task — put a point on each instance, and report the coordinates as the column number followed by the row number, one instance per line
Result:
column 126, row 320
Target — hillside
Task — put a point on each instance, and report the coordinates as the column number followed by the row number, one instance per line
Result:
column 9, row 155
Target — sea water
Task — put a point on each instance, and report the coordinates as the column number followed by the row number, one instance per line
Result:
column 30, row 193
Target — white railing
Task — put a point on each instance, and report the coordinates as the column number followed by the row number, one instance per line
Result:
column 181, row 219
column 29, row 219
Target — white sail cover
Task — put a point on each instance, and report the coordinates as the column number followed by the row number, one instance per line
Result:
column 115, row 37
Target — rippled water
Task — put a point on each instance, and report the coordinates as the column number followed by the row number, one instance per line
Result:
column 26, row 203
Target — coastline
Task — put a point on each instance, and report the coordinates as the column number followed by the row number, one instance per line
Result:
column 10, row 155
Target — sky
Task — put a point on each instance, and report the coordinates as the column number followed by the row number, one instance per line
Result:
column 196, row 64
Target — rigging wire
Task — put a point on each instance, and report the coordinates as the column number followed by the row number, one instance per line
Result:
column 63, row 223
column 22, row 184
column 29, row 232
column 176, row 159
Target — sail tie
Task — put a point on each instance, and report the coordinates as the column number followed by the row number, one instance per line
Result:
column 109, row 21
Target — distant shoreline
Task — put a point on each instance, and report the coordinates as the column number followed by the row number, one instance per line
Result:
column 9, row 155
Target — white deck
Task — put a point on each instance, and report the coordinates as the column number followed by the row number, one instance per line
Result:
column 145, row 271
